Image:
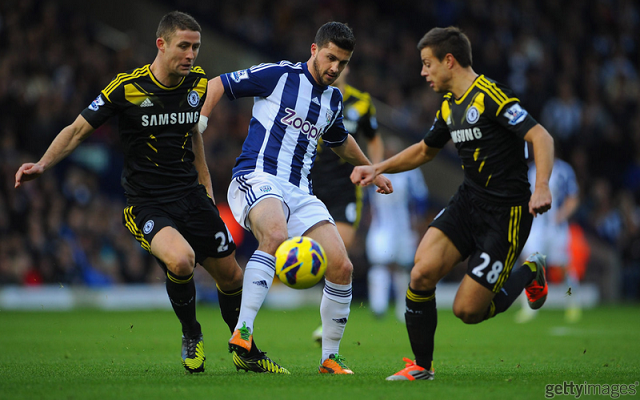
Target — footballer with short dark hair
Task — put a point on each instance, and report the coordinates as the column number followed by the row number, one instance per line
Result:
column 489, row 218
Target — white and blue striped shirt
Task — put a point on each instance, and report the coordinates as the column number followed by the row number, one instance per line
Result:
column 562, row 184
column 290, row 113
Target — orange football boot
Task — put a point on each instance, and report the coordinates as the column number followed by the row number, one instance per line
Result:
column 538, row 289
column 334, row 365
column 412, row 372
column 241, row 341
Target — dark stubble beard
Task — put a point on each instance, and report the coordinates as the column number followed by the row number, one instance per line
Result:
column 319, row 74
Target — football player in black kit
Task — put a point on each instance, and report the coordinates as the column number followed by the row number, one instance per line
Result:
column 489, row 218
column 170, row 209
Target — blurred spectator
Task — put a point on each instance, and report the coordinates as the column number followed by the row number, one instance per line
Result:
column 604, row 218
column 562, row 114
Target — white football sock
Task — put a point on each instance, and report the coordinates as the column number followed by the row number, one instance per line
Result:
column 401, row 280
column 334, row 311
column 258, row 277
column 379, row 279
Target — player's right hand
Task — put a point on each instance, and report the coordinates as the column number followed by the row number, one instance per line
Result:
column 363, row 175
column 540, row 201
column 384, row 184
column 28, row 172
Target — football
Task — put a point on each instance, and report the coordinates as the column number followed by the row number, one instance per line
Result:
column 300, row 262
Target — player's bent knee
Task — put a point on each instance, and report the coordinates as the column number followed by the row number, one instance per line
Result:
column 340, row 272
column 181, row 264
column 346, row 268
column 468, row 316
column 272, row 240
column 423, row 278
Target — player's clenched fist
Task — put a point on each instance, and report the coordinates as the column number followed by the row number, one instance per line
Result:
column 363, row 175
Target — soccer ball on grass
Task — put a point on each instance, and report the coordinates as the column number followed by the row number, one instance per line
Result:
column 300, row 262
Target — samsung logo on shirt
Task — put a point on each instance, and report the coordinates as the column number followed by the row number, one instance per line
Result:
column 170, row 119
column 465, row 135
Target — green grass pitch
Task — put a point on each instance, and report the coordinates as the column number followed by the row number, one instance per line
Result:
column 92, row 354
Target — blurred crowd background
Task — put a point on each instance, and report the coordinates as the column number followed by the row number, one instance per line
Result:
column 573, row 64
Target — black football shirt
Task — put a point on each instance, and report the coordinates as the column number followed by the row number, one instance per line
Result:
column 155, row 126
column 487, row 126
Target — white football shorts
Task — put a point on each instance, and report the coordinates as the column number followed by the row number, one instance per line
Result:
column 552, row 241
column 302, row 210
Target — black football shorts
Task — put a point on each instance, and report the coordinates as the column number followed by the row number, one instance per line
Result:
column 492, row 236
column 194, row 216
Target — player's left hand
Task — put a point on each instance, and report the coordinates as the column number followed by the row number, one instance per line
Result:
column 384, row 184
column 540, row 201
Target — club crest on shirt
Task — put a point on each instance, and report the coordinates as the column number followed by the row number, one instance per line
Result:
column 193, row 98
column 473, row 115
column 329, row 116
column 148, row 227
column 265, row 188
column 96, row 103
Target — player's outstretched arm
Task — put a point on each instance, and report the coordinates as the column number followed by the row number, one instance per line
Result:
column 410, row 158
column 215, row 90
column 569, row 207
column 543, row 154
column 64, row 143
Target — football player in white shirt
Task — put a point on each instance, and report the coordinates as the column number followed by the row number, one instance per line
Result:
column 550, row 234
column 392, row 239
column 271, row 193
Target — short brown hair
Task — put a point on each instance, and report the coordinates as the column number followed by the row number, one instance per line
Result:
column 337, row 33
column 443, row 41
column 176, row 20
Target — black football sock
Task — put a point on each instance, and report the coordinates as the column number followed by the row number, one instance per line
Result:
column 230, row 308
column 421, row 319
column 182, row 293
column 511, row 290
